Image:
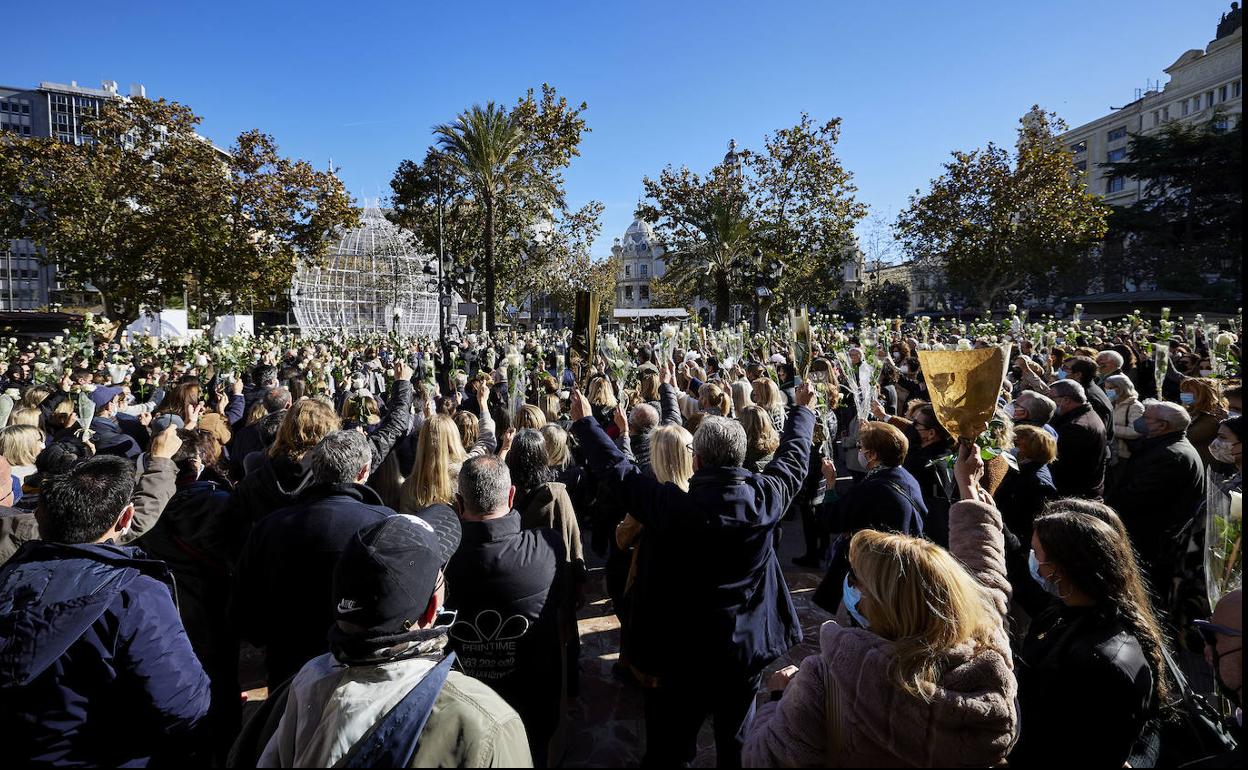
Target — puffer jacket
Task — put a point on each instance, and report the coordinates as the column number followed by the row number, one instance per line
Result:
column 971, row 720
column 95, row 667
column 1125, row 414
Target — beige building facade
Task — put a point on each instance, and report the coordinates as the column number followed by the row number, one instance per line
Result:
column 1201, row 82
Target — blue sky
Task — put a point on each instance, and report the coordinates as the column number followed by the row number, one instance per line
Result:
column 666, row 82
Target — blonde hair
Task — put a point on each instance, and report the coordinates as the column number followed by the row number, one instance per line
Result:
column 351, row 411
column 21, row 444
column 602, row 392
column 760, row 432
column 307, row 422
column 25, row 415
column 648, row 386
column 767, row 395
column 670, row 455
column 556, row 439
column 712, row 398
column 1035, row 444
column 439, row 454
column 35, row 395
column 919, row 597
column 469, row 427
column 528, row 416
column 550, row 407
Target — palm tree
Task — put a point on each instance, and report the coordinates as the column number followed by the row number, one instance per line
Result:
column 727, row 236
column 485, row 145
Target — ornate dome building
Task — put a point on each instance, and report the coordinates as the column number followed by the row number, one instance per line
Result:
column 641, row 258
column 371, row 281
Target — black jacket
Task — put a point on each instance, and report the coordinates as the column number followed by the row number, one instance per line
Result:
column 1081, row 442
column 1085, row 690
column 1161, row 487
column 1021, row 498
column 508, row 586
column 709, row 590
column 1103, row 407
column 284, row 584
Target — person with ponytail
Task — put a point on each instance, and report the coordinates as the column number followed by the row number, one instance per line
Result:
column 1091, row 671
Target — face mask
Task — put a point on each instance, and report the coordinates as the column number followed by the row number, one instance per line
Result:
column 862, row 459
column 1061, row 374
column 1220, row 450
column 1033, row 566
column 1234, row 413
column 1113, row 394
column 1229, row 693
column 904, row 368
column 852, row 597
column 896, row 356
column 1187, row 398
column 1206, row 372
column 1141, row 427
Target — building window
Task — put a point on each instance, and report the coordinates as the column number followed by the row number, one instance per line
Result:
column 628, row 293
column 1235, row 90
column 1208, row 99
column 1079, row 147
column 1165, row 114
column 1117, row 154
column 628, row 271
column 645, row 270
column 1156, row 117
column 1114, row 184
column 1185, row 109
column 1195, row 104
column 1116, row 133
column 1081, row 166
column 645, row 293
column 1222, row 93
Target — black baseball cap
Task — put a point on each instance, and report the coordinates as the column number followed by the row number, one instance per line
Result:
column 386, row 575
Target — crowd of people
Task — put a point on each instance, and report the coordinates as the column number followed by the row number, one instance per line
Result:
column 396, row 541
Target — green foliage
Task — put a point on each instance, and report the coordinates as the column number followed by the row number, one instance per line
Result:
column 497, row 174
column 793, row 201
column 997, row 224
column 147, row 206
column 886, row 300
column 1189, row 223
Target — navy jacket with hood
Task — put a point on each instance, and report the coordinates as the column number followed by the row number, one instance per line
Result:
column 95, row 667
column 711, row 592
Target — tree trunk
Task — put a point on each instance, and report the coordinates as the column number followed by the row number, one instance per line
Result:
column 723, row 298
column 489, row 264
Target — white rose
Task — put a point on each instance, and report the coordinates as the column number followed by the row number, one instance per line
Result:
column 1013, row 308
column 964, row 344
column 1225, row 340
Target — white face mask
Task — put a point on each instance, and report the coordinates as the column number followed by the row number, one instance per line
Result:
column 862, row 459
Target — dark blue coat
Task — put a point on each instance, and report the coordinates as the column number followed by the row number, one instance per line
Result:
column 710, row 592
column 110, row 439
column 95, row 668
column 283, row 600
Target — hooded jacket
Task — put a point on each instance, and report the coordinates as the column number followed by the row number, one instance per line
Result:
column 284, row 585
column 970, row 721
column 95, row 667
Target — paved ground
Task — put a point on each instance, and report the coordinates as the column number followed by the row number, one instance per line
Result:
column 606, row 720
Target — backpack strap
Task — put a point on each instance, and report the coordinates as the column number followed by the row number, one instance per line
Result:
column 392, row 741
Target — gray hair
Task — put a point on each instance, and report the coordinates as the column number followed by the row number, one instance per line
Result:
column 1069, row 389
column 642, row 419
column 277, row 399
column 1123, row 384
column 1173, row 415
column 338, row 458
column 1112, row 355
column 1039, row 407
column 720, row 442
column 484, row 483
